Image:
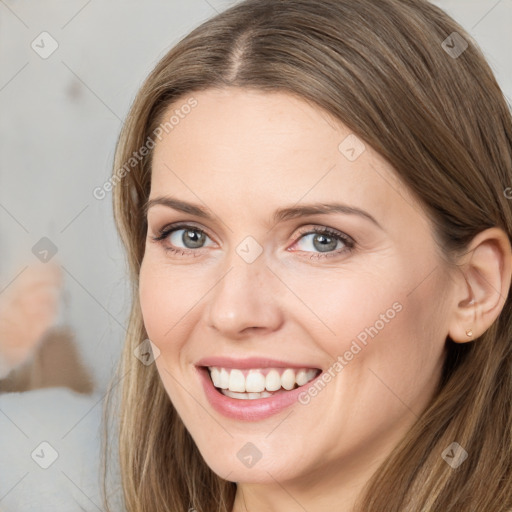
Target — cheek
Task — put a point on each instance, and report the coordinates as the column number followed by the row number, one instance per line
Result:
column 348, row 306
column 402, row 354
column 155, row 302
column 167, row 299
column 379, row 325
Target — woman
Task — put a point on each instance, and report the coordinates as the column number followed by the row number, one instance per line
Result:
column 313, row 199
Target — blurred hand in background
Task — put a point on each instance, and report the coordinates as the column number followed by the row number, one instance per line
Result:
column 28, row 308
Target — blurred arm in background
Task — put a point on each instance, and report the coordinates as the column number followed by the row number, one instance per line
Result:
column 33, row 353
column 28, row 308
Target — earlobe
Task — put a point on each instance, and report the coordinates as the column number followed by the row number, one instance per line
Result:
column 483, row 285
column 469, row 332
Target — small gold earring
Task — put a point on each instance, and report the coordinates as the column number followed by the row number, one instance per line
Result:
column 469, row 332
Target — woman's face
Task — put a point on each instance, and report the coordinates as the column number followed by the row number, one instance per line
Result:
column 251, row 290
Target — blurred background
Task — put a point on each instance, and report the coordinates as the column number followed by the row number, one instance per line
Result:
column 69, row 72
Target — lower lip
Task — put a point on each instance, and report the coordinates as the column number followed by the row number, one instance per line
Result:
column 249, row 410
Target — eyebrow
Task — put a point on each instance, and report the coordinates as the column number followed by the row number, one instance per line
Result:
column 279, row 215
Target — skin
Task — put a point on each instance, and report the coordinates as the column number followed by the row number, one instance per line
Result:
column 28, row 308
column 244, row 154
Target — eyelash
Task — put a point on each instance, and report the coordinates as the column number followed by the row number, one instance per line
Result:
column 348, row 241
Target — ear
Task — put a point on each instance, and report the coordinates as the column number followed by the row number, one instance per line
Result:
column 482, row 285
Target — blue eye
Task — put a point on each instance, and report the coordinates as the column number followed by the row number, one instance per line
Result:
column 190, row 235
column 326, row 240
column 323, row 239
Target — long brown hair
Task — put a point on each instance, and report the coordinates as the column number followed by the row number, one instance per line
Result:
column 388, row 71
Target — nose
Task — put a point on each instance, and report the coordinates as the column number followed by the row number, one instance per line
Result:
column 245, row 299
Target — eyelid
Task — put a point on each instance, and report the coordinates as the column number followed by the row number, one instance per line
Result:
column 175, row 226
column 312, row 228
column 307, row 229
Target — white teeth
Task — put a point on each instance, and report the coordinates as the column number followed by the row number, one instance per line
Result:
column 255, row 382
column 224, row 379
column 237, row 381
column 245, row 396
column 288, row 379
column 273, row 381
column 301, row 377
column 215, row 375
column 257, row 385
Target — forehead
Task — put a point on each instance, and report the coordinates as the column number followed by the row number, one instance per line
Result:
column 244, row 146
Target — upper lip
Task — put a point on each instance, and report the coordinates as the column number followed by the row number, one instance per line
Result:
column 249, row 362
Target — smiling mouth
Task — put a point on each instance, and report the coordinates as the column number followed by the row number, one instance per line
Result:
column 254, row 383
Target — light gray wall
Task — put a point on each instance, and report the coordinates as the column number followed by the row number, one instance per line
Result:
column 60, row 117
